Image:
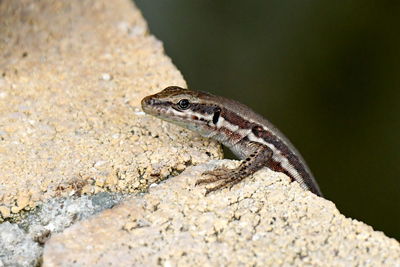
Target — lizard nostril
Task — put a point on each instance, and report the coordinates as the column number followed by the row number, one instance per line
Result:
column 148, row 101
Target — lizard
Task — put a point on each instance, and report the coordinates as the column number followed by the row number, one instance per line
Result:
column 251, row 137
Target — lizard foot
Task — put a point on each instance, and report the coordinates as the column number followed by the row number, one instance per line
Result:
column 226, row 178
column 214, row 176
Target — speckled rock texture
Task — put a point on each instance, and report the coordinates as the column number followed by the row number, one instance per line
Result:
column 72, row 74
column 266, row 221
column 22, row 244
column 17, row 248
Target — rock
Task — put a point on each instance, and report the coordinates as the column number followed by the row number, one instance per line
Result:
column 265, row 220
column 72, row 75
column 74, row 142
column 5, row 212
column 22, row 244
column 16, row 248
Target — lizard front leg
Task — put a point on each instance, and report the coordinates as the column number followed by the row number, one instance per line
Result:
column 257, row 159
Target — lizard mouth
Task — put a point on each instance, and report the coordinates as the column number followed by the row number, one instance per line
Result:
column 158, row 108
column 152, row 106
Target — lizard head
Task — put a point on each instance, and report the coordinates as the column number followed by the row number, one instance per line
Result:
column 191, row 109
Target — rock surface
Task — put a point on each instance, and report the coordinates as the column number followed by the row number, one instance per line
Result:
column 22, row 244
column 265, row 221
column 17, row 248
column 72, row 74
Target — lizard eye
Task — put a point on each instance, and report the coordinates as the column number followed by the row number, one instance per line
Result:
column 183, row 104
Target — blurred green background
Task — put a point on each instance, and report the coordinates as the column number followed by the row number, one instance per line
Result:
column 327, row 73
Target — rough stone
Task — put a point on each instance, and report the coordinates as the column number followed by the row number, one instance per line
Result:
column 22, row 244
column 265, row 221
column 72, row 74
column 16, row 248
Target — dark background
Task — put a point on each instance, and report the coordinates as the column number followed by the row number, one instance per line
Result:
column 327, row 73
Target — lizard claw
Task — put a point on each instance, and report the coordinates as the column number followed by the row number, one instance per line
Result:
column 206, row 181
column 227, row 178
column 215, row 175
column 216, row 172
